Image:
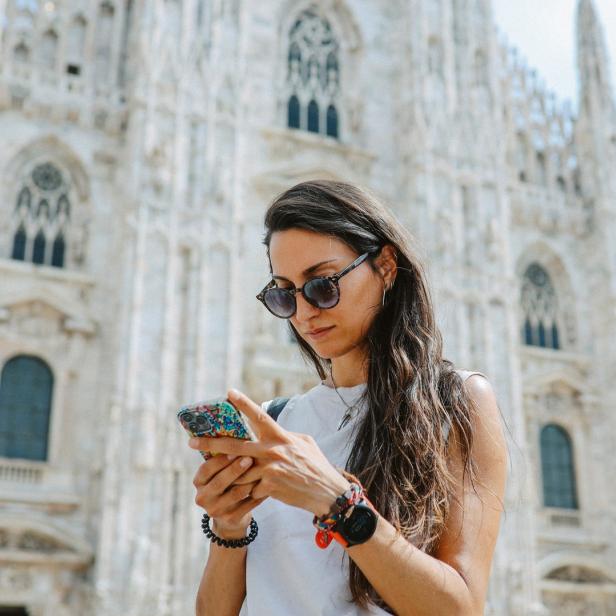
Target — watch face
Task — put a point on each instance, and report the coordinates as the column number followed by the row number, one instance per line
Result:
column 361, row 524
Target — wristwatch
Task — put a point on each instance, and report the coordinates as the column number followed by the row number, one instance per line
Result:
column 357, row 526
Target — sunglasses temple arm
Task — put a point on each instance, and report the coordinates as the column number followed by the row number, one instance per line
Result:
column 350, row 267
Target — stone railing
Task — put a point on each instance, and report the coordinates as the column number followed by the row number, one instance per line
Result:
column 21, row 472
column 37, row 483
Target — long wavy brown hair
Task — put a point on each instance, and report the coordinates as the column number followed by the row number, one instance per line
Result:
column 399, row 447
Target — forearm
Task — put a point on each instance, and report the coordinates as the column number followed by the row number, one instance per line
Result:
column 223, row 584
column 410, row 581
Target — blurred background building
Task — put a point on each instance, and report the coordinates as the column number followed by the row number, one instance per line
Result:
column 140, row 143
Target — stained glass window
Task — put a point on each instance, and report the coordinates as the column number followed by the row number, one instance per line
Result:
column 19, row 245
column 26, row 386
column 313, row 117
column 557, row 469
column 294, row 111
column 41, row 217
column 540, row 309
column 332, row 121
column 38, row 251
column 57, row 252
column 313, row 76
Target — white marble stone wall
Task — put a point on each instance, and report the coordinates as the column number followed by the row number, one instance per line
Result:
column 173, row 158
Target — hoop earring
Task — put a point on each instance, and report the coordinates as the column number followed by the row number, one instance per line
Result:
column 385, row 290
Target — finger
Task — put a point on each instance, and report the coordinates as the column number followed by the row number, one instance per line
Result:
column 260, row 421
column 254, row 473
column 223, row 479
column 226, row 506
column 247, row 505
column 226, row 444
column 259, row 492
column 233, row 495
column 208, row 469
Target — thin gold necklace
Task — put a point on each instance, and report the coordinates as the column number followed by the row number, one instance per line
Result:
column 348, row 413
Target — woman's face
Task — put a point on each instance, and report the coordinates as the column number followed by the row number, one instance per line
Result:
column 297, row 256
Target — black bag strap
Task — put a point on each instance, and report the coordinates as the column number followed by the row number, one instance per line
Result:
column 275, row 407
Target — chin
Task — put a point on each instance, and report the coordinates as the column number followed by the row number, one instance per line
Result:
column 324, row 351
column 330, row 351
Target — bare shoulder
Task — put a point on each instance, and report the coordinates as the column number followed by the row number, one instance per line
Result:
column 489, row 449
column 471, row 529
column 487, row 421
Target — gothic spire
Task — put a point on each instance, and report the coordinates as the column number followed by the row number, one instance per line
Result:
column 593, row 60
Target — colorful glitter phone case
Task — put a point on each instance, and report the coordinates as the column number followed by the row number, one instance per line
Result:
column 214, row 418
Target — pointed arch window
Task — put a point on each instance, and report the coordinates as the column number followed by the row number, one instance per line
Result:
column 313, row 117
column 41, row 217
column 57, row 252
column 103, row 40
column 38, row 251
column 542, row 169
column 26, row 387
column 313, row 76
column 294, row 111
column 19, row 244
column 557, row 468
column 21, row 53
column 332, row 121
column 539, row 308
column 48, row 50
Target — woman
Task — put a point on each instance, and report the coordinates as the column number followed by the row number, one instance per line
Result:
column 397, row 456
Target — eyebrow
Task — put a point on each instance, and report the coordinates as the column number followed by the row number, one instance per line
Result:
column 307, row 272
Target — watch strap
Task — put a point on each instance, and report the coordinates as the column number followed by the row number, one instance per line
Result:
column 337, row 532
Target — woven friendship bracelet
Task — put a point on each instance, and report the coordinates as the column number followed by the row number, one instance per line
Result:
column 229, row 543
column 346, row 500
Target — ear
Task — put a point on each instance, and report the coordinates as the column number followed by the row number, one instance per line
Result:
column 387, row 265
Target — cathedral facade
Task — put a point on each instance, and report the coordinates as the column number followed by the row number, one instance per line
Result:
column 140, row 144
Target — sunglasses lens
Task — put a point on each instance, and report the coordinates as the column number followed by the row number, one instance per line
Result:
column 280, row 302
column 321, row 292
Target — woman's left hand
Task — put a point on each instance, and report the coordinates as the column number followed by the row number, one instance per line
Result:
column 289, row 466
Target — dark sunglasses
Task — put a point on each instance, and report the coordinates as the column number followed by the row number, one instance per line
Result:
column 322, row 292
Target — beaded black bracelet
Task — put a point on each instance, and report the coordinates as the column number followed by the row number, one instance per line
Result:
column 229, row 543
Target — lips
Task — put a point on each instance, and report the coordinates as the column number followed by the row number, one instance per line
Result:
column 320, row 329
column 317, row 333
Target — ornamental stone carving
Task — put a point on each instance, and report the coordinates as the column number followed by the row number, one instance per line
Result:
column 35, row 319
column 578, row 575
column 34, row 542
column 15, row 578
column 578, row 604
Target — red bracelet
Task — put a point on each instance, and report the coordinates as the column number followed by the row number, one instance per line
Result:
column 342, row 507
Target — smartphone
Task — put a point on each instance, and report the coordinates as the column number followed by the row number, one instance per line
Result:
column 214, row 418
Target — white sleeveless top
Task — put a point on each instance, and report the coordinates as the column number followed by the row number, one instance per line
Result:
column 286, row 573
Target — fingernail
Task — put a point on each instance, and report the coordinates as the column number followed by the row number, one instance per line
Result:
column 245, row 462
column 231, row 456
column 233, row 393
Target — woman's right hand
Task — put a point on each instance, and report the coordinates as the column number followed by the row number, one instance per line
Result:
column 227, row 505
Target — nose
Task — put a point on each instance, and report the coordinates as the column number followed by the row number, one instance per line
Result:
column 305, row 310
